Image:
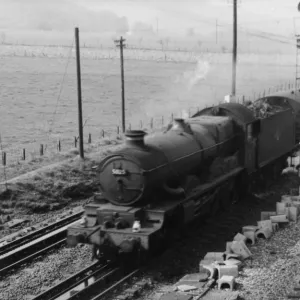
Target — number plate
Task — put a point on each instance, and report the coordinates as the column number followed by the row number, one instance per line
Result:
column 119, row 172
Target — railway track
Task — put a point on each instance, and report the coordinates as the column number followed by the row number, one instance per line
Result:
column 92, row 283
column 23, row 250
column 98, row 281
column 40, row 232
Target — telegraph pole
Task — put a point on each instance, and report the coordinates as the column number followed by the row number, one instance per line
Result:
column 234, row 49
column 80, row 127
column 121, row 45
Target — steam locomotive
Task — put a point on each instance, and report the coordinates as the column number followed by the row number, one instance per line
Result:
column 164, row 180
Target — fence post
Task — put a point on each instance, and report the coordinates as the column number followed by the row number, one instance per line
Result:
column 118, row 130
column 75, row 141
column 102, row 133
column 59, row 146
column 90, row 138
column 23, row 154
column 4, row 158
column 41, row 149
column 243, row 99
column 151, row 123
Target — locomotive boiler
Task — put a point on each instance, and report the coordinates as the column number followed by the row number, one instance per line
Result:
column 164, row 180
column 163, row 160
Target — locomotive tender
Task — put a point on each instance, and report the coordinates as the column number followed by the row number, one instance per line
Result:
column 164, row 180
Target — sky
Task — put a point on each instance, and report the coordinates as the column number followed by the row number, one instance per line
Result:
column 271, row 15
column 172, row 16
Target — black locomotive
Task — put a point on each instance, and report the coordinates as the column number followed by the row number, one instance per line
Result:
column 167, row 179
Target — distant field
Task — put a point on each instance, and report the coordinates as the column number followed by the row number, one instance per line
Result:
column 29, row 89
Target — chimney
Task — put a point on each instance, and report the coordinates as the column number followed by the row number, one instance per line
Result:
column 179, row 123
column 135, row 137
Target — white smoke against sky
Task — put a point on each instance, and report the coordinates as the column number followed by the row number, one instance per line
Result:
column 191, row 78
column 180, row 90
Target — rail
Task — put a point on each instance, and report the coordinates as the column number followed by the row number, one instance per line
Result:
column 34, row 248
column 35, row 234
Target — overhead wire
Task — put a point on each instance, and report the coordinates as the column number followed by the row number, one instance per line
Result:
column 61, row 88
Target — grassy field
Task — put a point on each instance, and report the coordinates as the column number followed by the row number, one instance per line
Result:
column 38, row 106
column 38, row 98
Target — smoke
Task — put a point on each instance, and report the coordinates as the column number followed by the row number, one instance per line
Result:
column 192, row 77
column 183, row 90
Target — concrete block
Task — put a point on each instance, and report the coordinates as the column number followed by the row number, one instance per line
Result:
column 275, row 227
column 196, row 277
column 207, row 262
column 197, row 285
column 280, row 208
column 228, row 256
column 214, row 256
column 293, row 213
column 227, row 270
column 241, row 249
column 249, row 228
column 202, row 265
column 265, row 224
column 250, row 235
column 279, row 219
column 235, row 262
column 239, row 237
column 186, row 288
column 265, row 215
column 226, row 281
column 264, row 233
column 212, row 271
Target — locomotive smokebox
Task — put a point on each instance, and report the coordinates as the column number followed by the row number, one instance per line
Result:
column 135, row 137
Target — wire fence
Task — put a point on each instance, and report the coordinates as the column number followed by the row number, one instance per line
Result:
column 137, row 53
